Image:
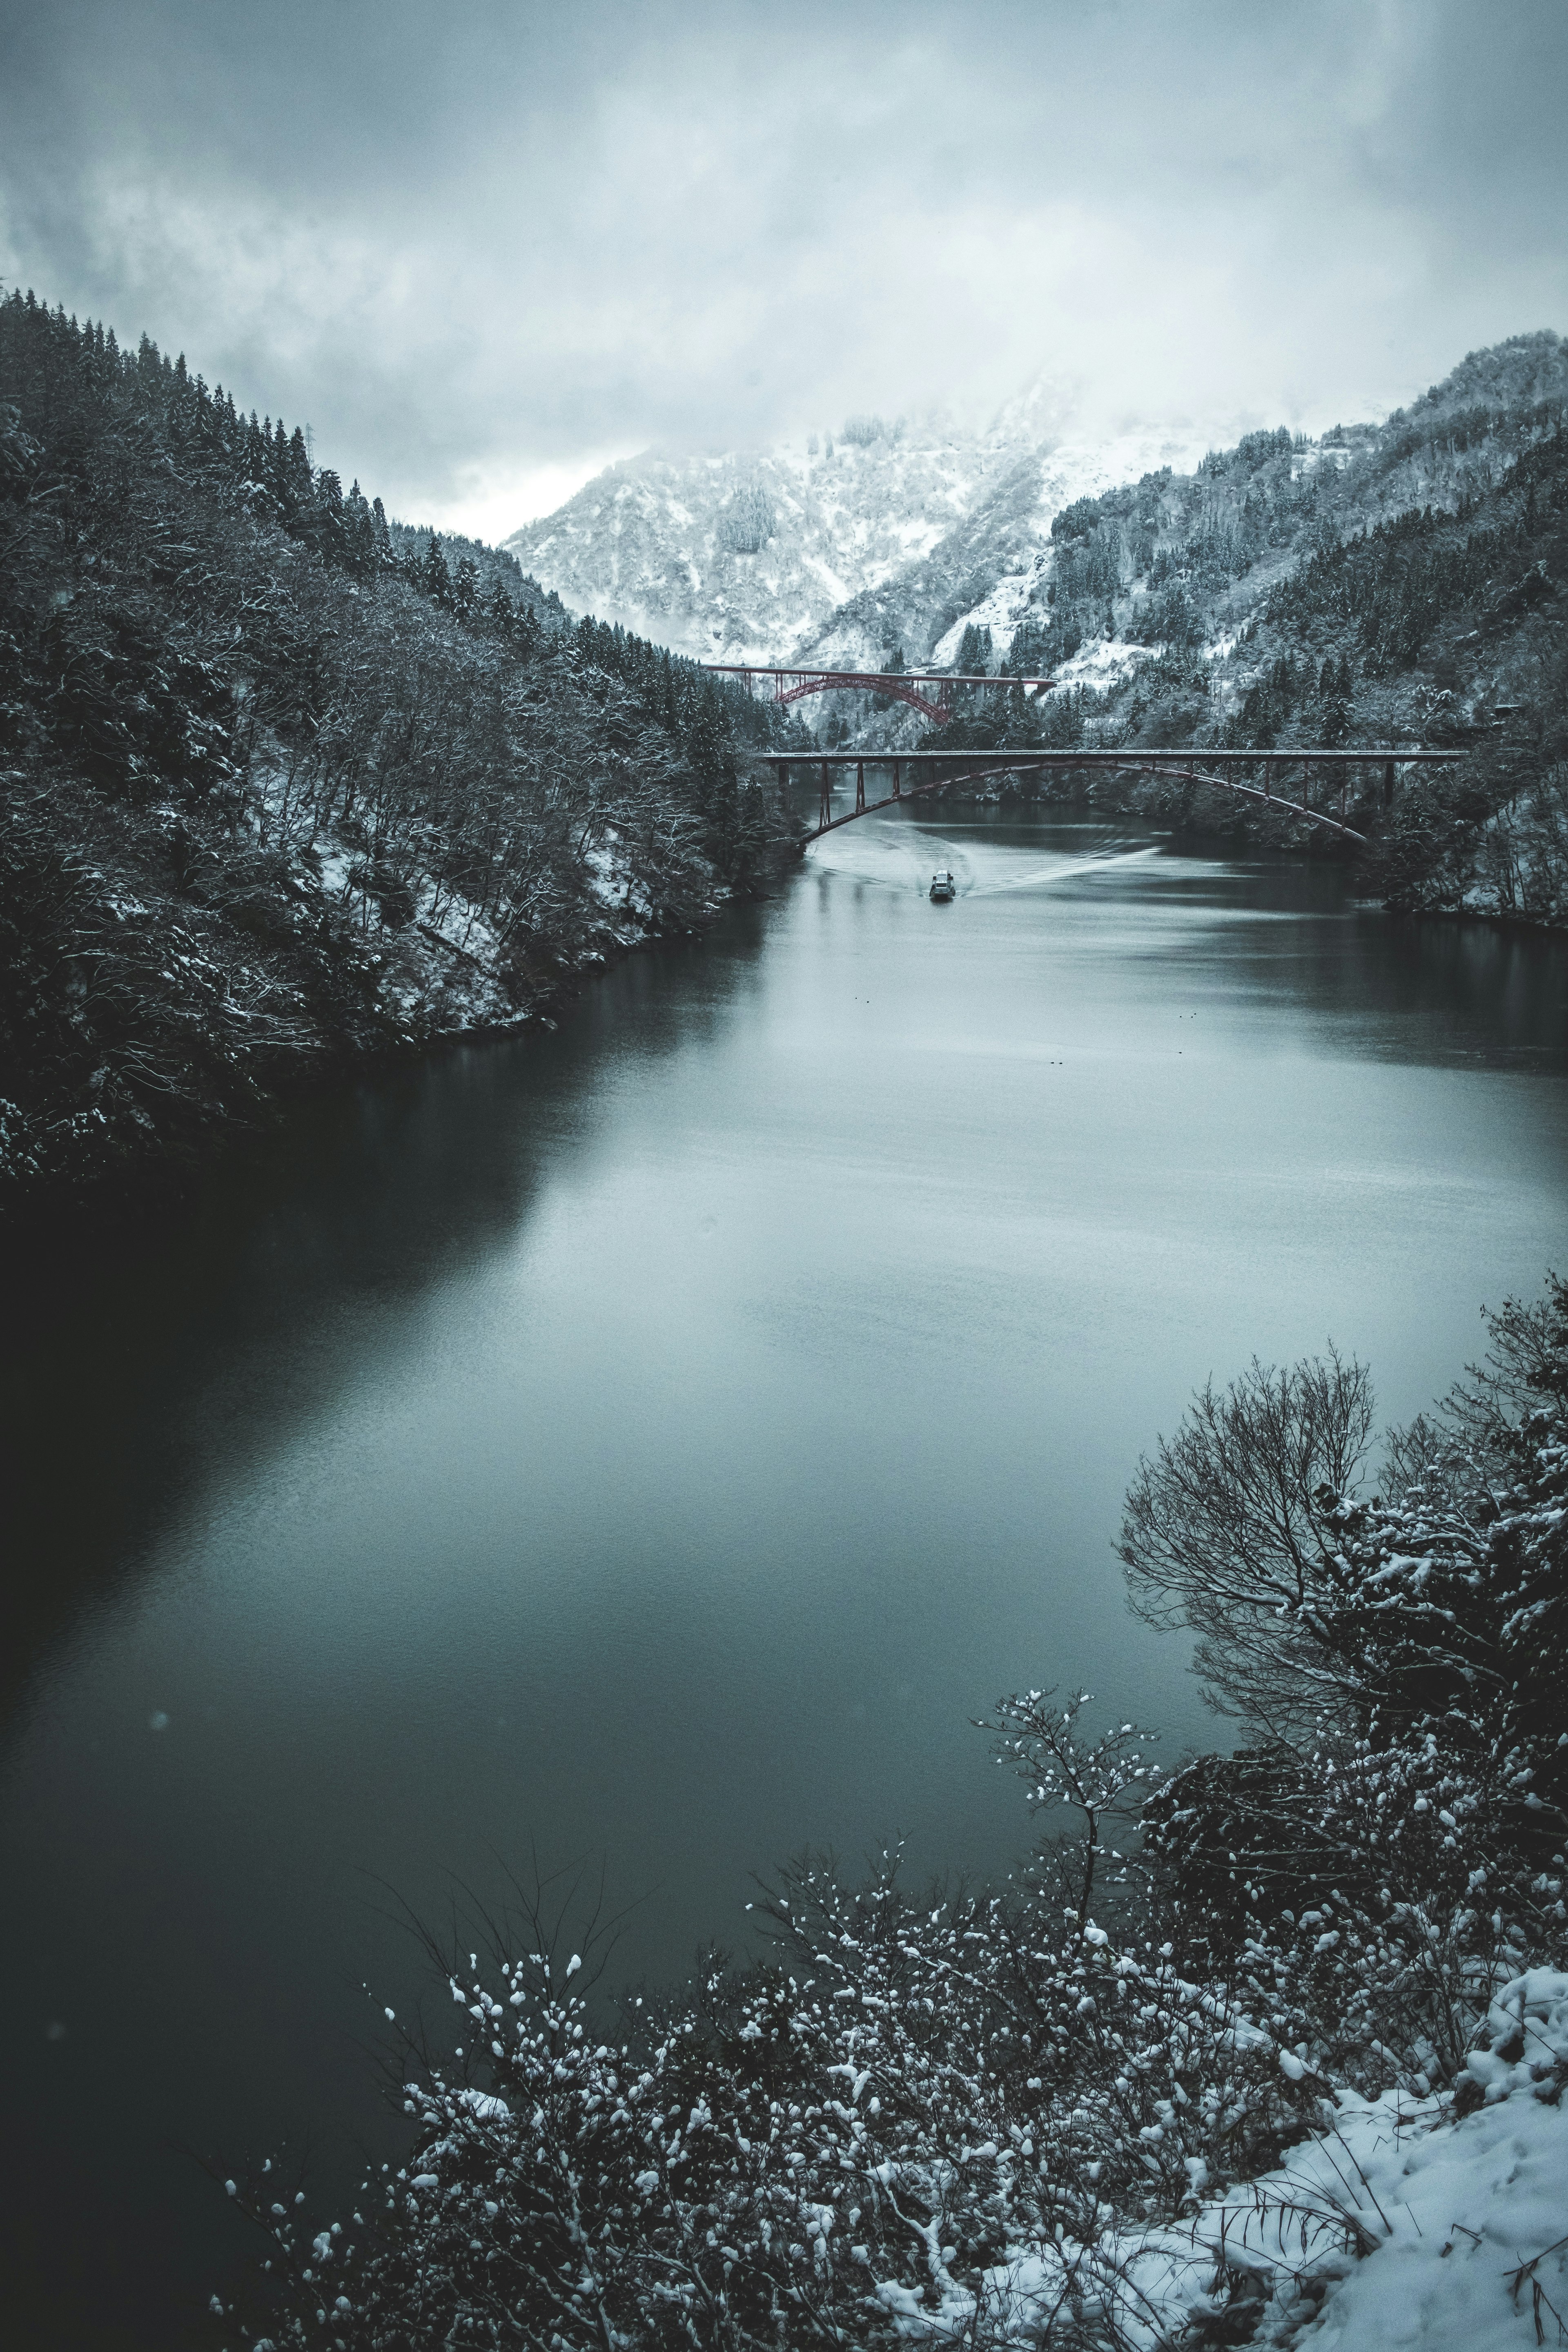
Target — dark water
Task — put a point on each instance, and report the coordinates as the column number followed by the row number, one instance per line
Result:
column 658, row 1439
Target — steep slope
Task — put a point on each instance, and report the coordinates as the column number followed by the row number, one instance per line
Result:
column 281, row 785
column 1401, row 582
column 759, row 557
column 982, row 570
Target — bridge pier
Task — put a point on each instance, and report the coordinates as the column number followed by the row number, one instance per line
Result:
column 825, row 812
column 860, row 787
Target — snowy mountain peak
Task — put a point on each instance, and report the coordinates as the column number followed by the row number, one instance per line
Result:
column 886, row 534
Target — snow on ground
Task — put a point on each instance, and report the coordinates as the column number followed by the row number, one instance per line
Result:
column 1073, row 470
column 614, row 885
column 1462, row 2211
column 335, row 864
column 1083, row 470
column 1000, row 611
column 1307, row 461
column 1103, row 662
column 1401, row 2223
column 441, row 969
column 1395, row 2228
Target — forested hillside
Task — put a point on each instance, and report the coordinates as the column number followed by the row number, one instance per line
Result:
column 1403, row 583
column 283, row 781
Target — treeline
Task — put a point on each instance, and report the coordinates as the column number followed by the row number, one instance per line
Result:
column 710, row 715
column 67, row 382
column 1048, row 2113
column 281, row 780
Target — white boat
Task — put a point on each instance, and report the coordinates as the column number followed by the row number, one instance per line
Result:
column 942, row 885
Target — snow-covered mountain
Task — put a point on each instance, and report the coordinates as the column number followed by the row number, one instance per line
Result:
column 984, row 569
column 877, row 537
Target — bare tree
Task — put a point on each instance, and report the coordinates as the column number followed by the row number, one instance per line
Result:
column 1228, row 1530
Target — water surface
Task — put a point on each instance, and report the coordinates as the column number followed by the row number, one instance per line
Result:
column 658, row 1440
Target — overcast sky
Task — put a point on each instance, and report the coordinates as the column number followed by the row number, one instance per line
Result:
column 485, row 246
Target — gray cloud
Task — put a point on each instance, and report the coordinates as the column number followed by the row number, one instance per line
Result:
column 483, row 248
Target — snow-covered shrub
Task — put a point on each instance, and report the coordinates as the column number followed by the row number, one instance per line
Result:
column 1371, row 1883
column 940, row 2117
column 872, row 2140
column 1153, row 2090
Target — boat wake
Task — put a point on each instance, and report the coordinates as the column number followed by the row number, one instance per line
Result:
column 895, row 861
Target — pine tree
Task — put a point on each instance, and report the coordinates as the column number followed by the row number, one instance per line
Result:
column 466, row 589
column 299, row 477
column 435, row 580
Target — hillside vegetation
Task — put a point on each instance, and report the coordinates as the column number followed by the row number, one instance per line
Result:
column 1403, row 583
column 282, row 782
column 283, row 779
column 1270, row 2050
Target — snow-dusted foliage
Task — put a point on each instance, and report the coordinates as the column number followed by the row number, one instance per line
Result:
column 1236, row 2039
column 923, row 2118
column 282, row 782
column 748, row 521
column 1370, row 1880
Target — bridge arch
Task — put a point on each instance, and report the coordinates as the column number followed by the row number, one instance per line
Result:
column 897, row 686
column 1218, row 770
column 829, row 823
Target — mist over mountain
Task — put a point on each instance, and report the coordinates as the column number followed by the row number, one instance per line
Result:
column 882, row 542
column 1390, row 580
column 838, row 546
column 308, row 782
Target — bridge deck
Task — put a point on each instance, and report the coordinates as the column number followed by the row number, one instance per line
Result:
column 929, row 691
column 875, row 681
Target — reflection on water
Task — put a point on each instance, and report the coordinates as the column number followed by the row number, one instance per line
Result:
column 660, row 1437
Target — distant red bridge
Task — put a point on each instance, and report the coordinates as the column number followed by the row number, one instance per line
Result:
column 899, row 685
column 944, row 770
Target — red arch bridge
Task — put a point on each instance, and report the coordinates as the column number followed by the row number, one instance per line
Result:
column 931, row 692
column 1227, row 771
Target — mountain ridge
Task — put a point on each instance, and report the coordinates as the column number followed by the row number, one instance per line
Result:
column 1393, row 581
column 771, row 554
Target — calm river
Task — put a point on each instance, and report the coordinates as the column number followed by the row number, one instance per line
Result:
column 655, row 1441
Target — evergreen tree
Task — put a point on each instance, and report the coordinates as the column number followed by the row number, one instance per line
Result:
column 435, row 578
column 297, row 474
